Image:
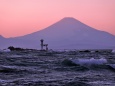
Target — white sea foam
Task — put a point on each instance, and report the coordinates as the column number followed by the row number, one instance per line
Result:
column 5, row 50
column 113, row 51
column 92, row 61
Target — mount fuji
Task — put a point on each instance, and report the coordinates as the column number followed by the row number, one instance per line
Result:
column 68, row 33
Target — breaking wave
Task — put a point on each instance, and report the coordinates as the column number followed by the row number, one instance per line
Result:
column 91, row 61
column 101, row 63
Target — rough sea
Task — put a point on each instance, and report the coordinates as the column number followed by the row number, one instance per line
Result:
column 57, row 68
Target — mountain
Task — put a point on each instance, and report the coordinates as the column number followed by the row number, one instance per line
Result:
column 3, row 42
column 68, row 33
column 1, row 37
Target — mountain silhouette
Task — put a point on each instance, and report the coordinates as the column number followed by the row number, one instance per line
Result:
column 68, row 33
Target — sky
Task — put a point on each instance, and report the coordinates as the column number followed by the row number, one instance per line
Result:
column 21, row 17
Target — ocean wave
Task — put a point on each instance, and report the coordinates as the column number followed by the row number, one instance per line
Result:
column 91, row 63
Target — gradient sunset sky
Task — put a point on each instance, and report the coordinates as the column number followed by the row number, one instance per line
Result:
column 20, row 17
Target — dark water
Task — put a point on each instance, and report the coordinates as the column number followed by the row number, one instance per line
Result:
column 35, row 68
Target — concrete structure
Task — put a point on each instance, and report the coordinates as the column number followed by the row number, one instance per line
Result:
column 42, row 45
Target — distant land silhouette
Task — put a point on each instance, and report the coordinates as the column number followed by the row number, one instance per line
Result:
column 68, row 33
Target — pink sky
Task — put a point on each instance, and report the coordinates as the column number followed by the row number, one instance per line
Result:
column 20, row 17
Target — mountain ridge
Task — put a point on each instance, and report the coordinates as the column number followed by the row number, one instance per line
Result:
column 67, row 33
column 1, row 36
column 66, row 19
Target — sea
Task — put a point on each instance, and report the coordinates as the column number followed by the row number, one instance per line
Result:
column 57, row 68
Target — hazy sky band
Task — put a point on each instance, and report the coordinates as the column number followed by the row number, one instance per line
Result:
column 19, row 17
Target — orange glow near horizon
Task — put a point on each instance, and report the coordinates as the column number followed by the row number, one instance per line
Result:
column 21, row 17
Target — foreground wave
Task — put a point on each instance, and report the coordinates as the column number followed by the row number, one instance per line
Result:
column 71, row 68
